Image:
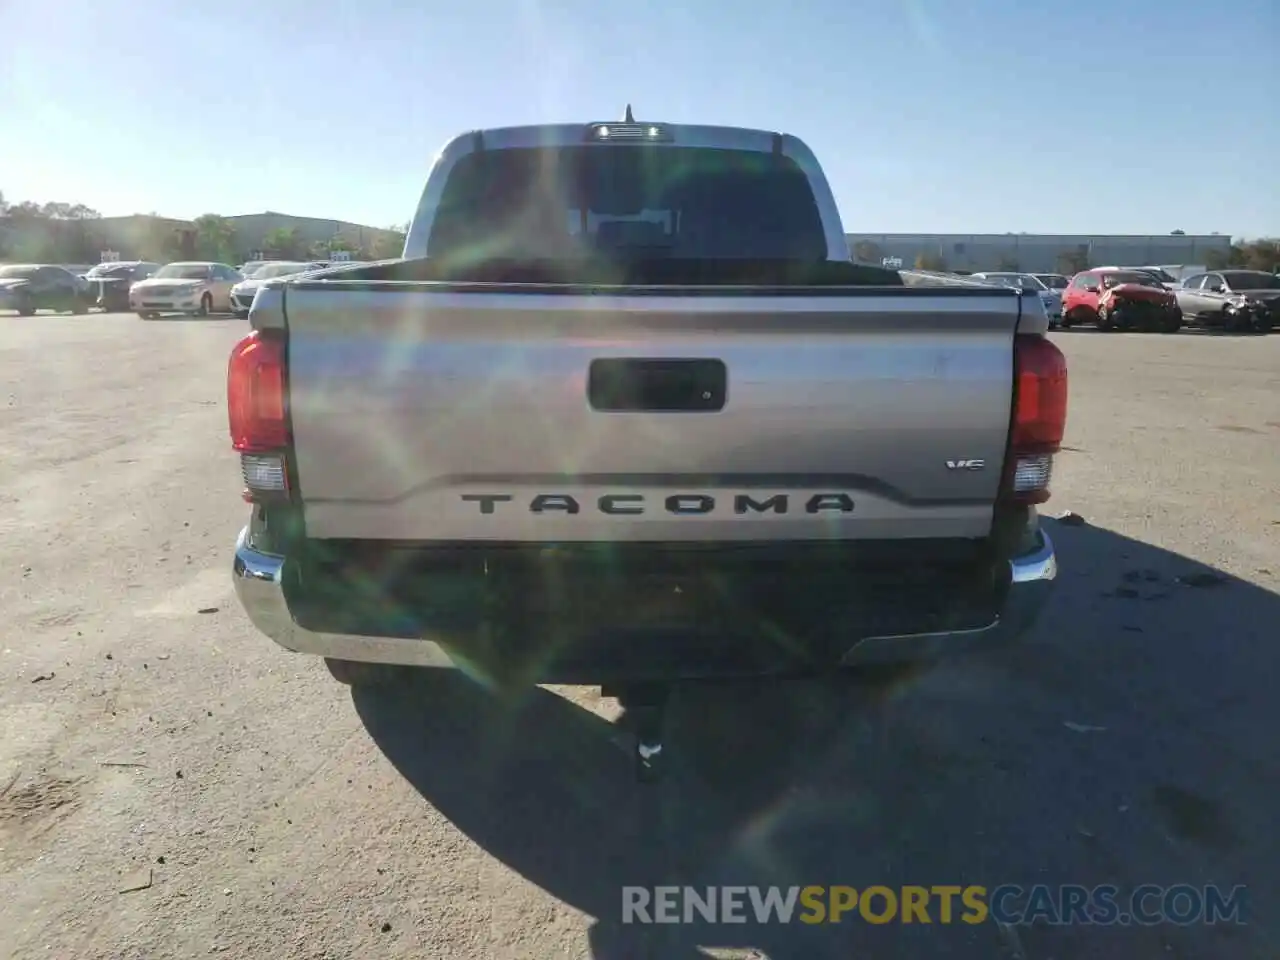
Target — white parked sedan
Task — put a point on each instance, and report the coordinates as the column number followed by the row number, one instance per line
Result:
column 198, row 288
column 243, row 292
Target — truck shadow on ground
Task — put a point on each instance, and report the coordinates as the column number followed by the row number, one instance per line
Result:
column 1130, row 740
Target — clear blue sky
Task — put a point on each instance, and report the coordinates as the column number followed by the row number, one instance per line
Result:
column 1128, row 116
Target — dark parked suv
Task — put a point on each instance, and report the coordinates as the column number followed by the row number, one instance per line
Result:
column 28, row 287
column 110, row 282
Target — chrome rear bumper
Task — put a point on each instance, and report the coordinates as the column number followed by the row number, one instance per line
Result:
column 260, row 586
column 259, row 583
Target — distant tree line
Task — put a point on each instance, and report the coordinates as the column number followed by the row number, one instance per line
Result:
column 1261, row 254
column 58, row 232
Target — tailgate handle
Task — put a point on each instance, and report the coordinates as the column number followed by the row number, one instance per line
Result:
column 633, row 385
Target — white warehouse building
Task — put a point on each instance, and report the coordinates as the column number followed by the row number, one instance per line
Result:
column 1035, row 253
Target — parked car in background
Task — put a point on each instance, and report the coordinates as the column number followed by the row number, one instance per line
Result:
column 1232, row 299
column 1054, row 281
column 1181, row 271
column 1164, row 276
column 109, row 283
column 249, row 268
column 28, row 287
column 243, row 292
column 198, row 288
column 1120, row 300
column 1030, row 283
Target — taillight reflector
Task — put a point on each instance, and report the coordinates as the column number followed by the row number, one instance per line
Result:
column 1039, row 417
column 256, row 394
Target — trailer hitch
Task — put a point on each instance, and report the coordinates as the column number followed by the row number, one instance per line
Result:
column 644, row 708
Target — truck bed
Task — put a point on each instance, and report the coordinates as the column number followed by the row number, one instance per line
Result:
column 449, row 408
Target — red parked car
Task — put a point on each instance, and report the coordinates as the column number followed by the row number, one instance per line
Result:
column 1115, row 299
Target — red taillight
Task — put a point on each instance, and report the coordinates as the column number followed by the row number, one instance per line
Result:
column 256, row 412
column 1039, row 417
column 255, row 394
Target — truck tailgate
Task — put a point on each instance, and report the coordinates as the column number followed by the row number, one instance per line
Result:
column 447, row 413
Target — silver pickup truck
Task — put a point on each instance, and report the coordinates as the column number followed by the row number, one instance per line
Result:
column 626, row 412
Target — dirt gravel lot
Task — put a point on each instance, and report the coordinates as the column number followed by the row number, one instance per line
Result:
column 173, row 785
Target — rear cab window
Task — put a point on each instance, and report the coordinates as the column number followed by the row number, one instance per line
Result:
column 646, row 202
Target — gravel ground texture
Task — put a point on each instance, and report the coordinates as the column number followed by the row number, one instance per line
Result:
column 172, row 784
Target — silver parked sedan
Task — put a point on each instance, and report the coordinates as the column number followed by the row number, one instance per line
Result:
column 242, row 293
column 1052, row 299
